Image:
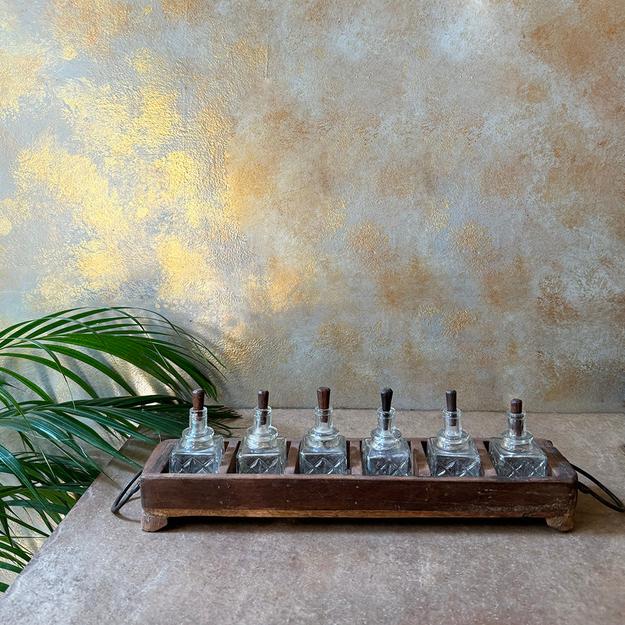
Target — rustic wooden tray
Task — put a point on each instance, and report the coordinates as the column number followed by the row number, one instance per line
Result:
column 228, row 494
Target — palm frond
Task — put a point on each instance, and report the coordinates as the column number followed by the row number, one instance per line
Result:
column 146, row 341
column 81, row 350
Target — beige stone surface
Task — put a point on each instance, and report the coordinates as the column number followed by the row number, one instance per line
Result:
column 429, row 193
column 100, row 569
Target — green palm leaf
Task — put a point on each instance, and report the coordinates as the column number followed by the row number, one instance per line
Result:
column 79, row 351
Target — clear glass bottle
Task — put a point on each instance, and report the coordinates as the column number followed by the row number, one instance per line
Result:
column 514, row 453
column 323, row 449
column 452, row 453
column 199, row 450
column 262, row 450
column 386, row 452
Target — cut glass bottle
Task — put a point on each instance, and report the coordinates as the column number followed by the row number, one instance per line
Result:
column 323, row 450
column 262, row 450
column 199, row 450
column 452, row 453
column 386, row 452
column 515, row 454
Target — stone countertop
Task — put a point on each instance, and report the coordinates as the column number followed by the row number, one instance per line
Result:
column 98, row 568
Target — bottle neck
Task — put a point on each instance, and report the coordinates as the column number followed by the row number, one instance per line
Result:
column 386, row 420
column 324, row 423
column 386, row 435
column 516, row 424
column 262, row 418
column 261, row 431
column 452, row 436
column 517, row 435
column 198, row 432
column 452, row 423
column 198, row 423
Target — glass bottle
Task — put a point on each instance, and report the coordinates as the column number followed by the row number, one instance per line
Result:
column 514, row 453
column 386, row 452
column 262, row 450
column 323, row 449
column 199, row 450
column 452, row 453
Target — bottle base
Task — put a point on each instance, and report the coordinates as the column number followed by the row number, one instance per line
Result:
column 194, row 463
column 386, row 461
column 518, row 464
column 463, row 462
column 251, row 462
column 322, row 463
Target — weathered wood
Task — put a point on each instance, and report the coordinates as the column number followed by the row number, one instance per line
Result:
column 158, row 462
column 564, row 523
column 229, row 459
column 153, row 522
column 420, row 466
column 355, row 457
column 292, row 457
column 357, row 496
column 559, row 466
column 488, row 470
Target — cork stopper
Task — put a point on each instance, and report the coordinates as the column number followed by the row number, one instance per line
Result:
column 387, row 397
column 263, row 400
column 323, row 398
column 450, row 398
column 517, row 425
column 197, row 399
column 323, row 402
column 452, row 408
column 263, row 405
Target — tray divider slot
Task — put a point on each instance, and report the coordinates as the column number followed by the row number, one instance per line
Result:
column 488, row 470
column 229, row 459
column 158, row 462
column 557, row 465
column 420, row 465
column 292, row 457
column 355, row 457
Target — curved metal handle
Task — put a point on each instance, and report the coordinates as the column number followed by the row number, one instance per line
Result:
column 613, row 502
column 126, row 493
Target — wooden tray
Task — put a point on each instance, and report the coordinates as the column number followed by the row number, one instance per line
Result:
column 228, row 494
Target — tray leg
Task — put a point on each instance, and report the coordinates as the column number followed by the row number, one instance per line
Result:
column 152, row 522
column 562, row 523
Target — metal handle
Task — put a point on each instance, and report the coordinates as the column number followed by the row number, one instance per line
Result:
column 126, row 493
column 612, row 502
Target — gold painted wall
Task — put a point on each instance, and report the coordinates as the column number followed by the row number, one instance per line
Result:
column 357, row 193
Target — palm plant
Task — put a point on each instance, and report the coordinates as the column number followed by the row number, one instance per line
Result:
column 51, row 462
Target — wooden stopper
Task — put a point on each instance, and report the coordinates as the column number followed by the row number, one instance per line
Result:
column 263, row 405
column 323, row 398
column 263, row 400
column 197, row 400
column 516, row 406
column 450, row 398
column 517, row 425
column 387, row 397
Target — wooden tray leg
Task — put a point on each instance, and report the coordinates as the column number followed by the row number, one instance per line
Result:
column 562, row 523
column 152, row 522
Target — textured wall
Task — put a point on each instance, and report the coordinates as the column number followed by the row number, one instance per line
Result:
column 422, row 194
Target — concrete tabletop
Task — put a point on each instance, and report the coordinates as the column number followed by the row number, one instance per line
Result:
column 98, row 568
